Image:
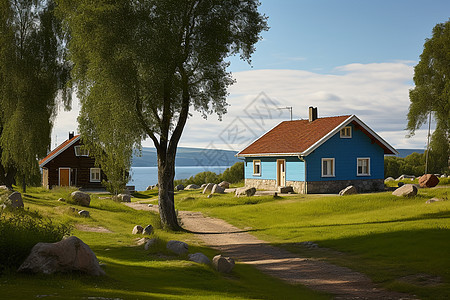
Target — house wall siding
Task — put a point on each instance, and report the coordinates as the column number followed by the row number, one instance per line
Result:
column 82, row 164
column 295, row 168
column 345, row 151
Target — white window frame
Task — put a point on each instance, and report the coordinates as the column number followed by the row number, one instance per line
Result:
column 256, row 162
column 368, row 166
column 95, row 171
column 343, row 132
column 79, row 151
column 333, row 167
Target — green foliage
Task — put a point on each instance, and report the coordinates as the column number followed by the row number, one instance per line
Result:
column 31, row 74
column 413, row 164
column 431, row 93
column 139, row 66
column 233, row 174
column 20, row 230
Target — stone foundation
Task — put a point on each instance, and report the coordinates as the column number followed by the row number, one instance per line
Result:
column 261, row 184
column 335, row 186
column 319, row 187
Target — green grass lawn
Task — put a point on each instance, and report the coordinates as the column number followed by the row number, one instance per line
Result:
column 401, row 243
column 132, row 272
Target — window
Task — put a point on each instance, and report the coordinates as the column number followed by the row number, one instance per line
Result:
column 80, row 151
column 95, row 174
column 363, row 167
column 346, row 132
column 257, row 168
column 327, row 167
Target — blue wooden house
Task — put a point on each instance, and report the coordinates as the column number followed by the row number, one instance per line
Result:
column 318, row 155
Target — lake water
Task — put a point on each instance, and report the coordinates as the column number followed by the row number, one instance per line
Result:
column 141, row 177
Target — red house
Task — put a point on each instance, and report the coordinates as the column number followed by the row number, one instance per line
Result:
column 70, row 165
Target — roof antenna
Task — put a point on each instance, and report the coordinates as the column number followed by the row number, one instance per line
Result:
column 287, row 107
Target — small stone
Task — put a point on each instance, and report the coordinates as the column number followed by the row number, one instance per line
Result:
column 209, row 196
column 224, row 184
column 432, row 200
column 389, row 179
column 84, row 213
column 81, row 198
column 199, row 258
column 142, row 241
column 350, row 190
column 179, row 187
column 285, row 189
column 223, row 264
column 137, row 229
column 150, row 205
column 245, row 191
column 148, row 229
column 62, row 200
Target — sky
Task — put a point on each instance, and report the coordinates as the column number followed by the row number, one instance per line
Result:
column 343, row 57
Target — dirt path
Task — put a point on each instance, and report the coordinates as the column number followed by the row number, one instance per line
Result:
column 342, row 282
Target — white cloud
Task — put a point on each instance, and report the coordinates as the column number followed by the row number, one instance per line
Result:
column 376, row 93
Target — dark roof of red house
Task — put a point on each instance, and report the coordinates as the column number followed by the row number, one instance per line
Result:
column 58, row 150
column 301, row 137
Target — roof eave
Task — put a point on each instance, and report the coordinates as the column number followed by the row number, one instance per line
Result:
column 47, row 160
column 266, row 154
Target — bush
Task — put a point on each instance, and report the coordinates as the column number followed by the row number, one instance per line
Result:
column 233, row 174
column 20, row 230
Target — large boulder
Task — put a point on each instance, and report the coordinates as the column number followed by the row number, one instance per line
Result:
column 15, row 200
column 199, row 258
column 224, row 184
column 428, row 181
column 245, row 191
column 350, row 190
column 208, row 188
column 217, row 189
column 68, row 255
column 223, row 264
column 407, row 190
column 179, row 187
column 192, row 187
column 177, row 247
column 81, row 198
column 148, row 229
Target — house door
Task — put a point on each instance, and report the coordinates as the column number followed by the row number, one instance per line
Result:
column 64, row 176
column 281, row 172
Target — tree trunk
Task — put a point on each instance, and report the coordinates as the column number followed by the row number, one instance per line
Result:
column 166, row 174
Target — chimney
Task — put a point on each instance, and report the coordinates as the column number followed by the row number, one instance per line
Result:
column 71, row 135
column 312, row 113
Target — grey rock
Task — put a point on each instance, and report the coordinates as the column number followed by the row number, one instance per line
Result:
column 62, row 200
column 81, row 198
column 432, row 200
column 209, row 196
column 407, row 190
column 285, row 189
column 142, row 241
column 224, row 184
column 203, row 186
column 199, row 258
column 208, row 188
column 148, row 229
column 192, row 187
column 138, row 229
column 84, row 213
column 177, row 247
column 124, row 197
column 350, row 190
column 389, row 179
column 245, row 191
column 150, row 243
column 179, row 187
column 402, row 177
column 15, row 200
column 217, row 189
column 223, row 264
column 4, row 188
column 68, row 255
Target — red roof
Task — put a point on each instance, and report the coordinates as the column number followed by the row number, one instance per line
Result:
column 58, row 150
column 294, row 136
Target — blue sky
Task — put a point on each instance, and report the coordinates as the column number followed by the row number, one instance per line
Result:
column 345, row 57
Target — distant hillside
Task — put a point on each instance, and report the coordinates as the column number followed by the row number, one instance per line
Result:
column 406, row 152
column 188, row 157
